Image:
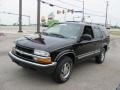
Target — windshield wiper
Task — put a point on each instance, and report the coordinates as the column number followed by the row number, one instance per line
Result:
column 28, row 38
column 53, row 34
column 57, row 35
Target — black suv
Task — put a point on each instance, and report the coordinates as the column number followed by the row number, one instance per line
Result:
column 60, row 47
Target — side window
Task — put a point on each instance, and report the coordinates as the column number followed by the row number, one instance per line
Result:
column 88, row 30
column 97, row 32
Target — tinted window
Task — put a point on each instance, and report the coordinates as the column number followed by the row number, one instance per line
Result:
column 88, row 30
column 97, row 32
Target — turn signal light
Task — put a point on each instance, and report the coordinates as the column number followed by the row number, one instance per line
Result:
column 44, row 60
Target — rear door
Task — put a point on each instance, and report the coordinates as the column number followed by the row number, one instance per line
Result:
column 98, row 37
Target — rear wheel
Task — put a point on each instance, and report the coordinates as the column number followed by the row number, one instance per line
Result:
column 101, row 57
column 63, row 70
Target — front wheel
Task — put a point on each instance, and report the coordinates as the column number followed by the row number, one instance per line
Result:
column 63, row 70
column 101, row 57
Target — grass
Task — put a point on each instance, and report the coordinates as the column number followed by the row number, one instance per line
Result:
column 115, row 33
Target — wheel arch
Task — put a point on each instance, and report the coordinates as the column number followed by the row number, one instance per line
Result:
column 105, row 47
column 68, row 53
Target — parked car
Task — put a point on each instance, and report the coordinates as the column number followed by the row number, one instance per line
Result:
column 61, row 47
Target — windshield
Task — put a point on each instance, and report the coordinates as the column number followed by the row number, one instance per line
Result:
column 64, row 31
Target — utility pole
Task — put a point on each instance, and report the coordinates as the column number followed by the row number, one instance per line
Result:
column 29, row 20
column 38, row 15
column 83, row 17
column 20, row 16
column 106, row 19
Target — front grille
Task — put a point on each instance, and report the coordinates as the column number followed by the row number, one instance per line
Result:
column 25, row 57
column 24, row 49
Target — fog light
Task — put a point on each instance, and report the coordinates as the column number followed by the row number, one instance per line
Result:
column 43, row 60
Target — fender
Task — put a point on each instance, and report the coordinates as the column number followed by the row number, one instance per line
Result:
column 104, row 44
column 61, row 54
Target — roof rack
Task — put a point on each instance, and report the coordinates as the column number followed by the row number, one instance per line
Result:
column 87, row 23
column 73, row 21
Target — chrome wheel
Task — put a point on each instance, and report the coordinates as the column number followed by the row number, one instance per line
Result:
column 65, row 71
column 102, row 56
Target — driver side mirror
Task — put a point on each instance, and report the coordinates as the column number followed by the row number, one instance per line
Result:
column 86, row 37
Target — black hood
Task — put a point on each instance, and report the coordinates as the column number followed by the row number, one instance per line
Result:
column 47, row 43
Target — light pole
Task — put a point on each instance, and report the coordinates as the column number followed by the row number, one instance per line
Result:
column 38, row 15
column 106, row 19
column 83, row 11
column 83, row 17
column 20, row 16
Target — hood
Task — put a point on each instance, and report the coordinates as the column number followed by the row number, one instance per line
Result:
column 47, row 43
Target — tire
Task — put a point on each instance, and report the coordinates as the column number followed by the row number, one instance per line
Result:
column 63, row 70
column 101, row 57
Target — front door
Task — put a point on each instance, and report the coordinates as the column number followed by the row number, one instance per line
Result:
column 86, row 48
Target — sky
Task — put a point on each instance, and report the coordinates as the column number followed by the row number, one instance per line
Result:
column 92, row 7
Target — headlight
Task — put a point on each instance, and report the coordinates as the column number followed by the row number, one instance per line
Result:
column 46, row 59
column 41, row 53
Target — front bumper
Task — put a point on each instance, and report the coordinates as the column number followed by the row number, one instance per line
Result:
column 48, row 68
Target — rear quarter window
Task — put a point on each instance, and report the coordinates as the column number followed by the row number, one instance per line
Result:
column 105, row 31
column 97, row 32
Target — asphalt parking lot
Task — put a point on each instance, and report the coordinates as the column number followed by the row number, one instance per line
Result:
column 85, row 76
